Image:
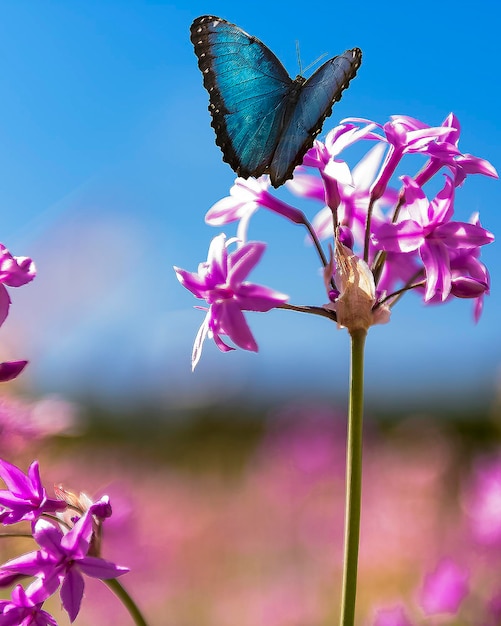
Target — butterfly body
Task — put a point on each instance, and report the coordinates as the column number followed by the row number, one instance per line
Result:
column 264, row 120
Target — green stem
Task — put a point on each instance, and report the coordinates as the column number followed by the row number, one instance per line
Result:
column 127, row 601
column 353, row 478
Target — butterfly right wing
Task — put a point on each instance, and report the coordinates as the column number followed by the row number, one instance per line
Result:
column 248, row 91
column 314, row 103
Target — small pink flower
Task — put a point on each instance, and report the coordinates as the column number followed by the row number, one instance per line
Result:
column 445, row 588
column 220, row 282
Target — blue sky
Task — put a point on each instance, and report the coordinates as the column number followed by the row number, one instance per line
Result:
column 108, row 165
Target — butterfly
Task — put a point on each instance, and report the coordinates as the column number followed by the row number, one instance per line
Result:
column 264, row 121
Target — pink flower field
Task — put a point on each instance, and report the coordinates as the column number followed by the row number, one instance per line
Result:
column 249, row 531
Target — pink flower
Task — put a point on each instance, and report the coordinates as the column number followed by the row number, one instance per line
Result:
column 25, row 497
column 246, row 196
column 483, row 503
column 62, row 560
column 427, row 227
column 22, row 611
column 14, row 272
column 445, row 588
column 220, row 282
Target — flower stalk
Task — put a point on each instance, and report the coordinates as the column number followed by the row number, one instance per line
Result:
column 118, row 589
column 353, row 478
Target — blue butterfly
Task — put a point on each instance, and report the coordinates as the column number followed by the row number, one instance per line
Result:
column 264, row 120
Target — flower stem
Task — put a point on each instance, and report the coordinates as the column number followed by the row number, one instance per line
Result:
column 353, row 478
column 127, row 601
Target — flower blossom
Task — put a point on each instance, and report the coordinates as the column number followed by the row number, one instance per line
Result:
column 459, row 164
column 62, row 560
column 483, row 503
column 14, row 272
column 445, row 588
column 21, row 610
column 25, row 497
column 246, row 196
column 429, row 230
column 220, row 282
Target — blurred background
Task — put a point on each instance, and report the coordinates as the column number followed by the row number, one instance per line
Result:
column 107, row 166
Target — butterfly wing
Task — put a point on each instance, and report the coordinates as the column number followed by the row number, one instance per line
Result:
column 248, row 91
column 314, row 103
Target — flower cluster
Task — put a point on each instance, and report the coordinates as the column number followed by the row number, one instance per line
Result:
column 14, row 272
column 68, row 532
column 387, row 240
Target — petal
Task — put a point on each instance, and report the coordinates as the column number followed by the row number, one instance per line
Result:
column 441, row 207
column 217, row 259
column 193, row 282
column 199, row 340
column 19, row 597
column 253, row 297
column 345, row 135
column 100, row 568
column 101, row 508
column 438, row 274
column 228, row 210
column 72, row 592
column 16, row 480
column 44, row 587
column 16, row 271
column 35, row 480
column 462, row 235
column 405, row 236
column 232, row 323
column 475, row 165
column 30, row 564
column 4, row 304
column 76, row 541
column 416, row 202
column 220, row 344
column 322, row 224
column 7, row 578
column 306, row 185
column 11, row 369
column 48, row 537
column 243, row 260
column 367, row 168
column 478, row 308
column 12, row 617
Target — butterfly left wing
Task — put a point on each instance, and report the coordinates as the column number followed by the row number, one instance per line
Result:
column 248, row 91
column 314, row 103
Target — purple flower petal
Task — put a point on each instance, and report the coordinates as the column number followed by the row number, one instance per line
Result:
column 231, row 321
column 11, row 369
column 4, row 304
column 100, row 568
column 243, row 261
column 438, row 274
column 77, row 541
column 48, row 536
column 72, row 592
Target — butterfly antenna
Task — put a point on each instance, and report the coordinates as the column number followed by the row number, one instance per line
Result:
column 315, row 61
column 298, row 53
